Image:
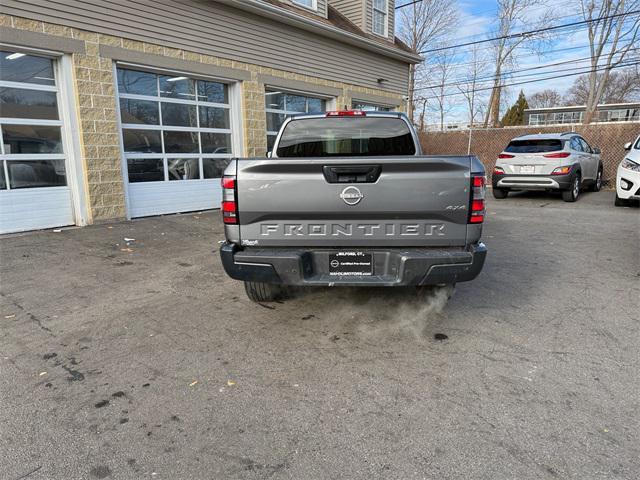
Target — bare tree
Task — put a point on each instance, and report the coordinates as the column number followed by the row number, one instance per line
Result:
column 420, row 26
column 545, row 99
column 421, row 99
column 422, row 108
column 471, row 78
column 512, row 16
column 612, row 31
column 622, row 86
column 441, row 68
column 477, row 68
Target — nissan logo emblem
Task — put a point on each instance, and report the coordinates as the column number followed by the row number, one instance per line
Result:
column 351, row 195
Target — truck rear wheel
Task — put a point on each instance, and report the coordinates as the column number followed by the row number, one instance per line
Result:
column 262, row 292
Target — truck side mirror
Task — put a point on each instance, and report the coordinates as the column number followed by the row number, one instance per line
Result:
column 596, row 150
column 269, row 154
column 627, row 146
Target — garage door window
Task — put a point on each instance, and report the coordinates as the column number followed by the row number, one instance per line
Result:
column 32, row 155
column 280, row 104
column 173, row 127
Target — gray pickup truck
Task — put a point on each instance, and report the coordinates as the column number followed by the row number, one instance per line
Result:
column 347, row 198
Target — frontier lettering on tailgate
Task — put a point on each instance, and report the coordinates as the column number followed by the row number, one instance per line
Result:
column 349, row 229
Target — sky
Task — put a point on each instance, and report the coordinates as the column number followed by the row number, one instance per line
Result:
column 477, row 21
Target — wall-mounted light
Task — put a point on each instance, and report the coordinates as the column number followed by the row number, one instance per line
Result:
column 176, row 79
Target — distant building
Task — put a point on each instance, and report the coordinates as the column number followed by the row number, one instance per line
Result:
column 613, row 112
column 448, row 126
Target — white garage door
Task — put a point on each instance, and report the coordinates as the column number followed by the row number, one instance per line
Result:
column 177, row 140
column 34, row 190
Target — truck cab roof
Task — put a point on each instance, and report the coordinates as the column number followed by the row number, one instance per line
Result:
column 349, row 113
column 346, row 133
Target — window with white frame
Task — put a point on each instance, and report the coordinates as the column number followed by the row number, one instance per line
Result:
column 380, row 17
column 370, row 107
column 32, row 153
column 567, row 117
column 536, row 119
column 615, row 115
column 173, row 127
column 279, row 105
column 312, row 4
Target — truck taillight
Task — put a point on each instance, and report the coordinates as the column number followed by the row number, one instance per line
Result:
column 229, row 204
column 478, row 187
column 229, row 182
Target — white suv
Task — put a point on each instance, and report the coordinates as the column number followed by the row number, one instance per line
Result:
column 556, row 161
column 628, row 178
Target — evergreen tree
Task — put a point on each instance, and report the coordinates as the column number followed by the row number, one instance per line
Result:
column 515, row 115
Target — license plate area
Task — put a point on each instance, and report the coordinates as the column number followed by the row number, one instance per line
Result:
column 527, row 169
column 351, row 263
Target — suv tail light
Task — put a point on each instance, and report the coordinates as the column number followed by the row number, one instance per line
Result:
column 561, row 171
column 347, row 113
column 229, row 204
column 557, row 155
column 506, row 155
column 498, row 171
column 478, row 188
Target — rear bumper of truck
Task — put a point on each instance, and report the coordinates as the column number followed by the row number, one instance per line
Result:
column 392, row 266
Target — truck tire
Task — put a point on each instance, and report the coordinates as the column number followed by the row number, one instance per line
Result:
column 262, row 292
column 572, row 194
column 620, row 202
column 500, row 193
column 597, row 184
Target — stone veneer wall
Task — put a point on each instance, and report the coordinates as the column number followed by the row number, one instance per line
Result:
column 95, row 96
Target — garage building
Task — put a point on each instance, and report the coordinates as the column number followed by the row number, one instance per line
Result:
column 129, row 108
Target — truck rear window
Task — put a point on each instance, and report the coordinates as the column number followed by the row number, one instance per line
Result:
column 534, row 146
column 346, row 136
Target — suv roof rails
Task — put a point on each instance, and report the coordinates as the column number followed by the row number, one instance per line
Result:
column 568, row 133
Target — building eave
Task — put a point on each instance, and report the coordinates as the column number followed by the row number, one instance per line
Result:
column 308, row 24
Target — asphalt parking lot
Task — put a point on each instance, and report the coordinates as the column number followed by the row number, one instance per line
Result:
column 145, row 361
